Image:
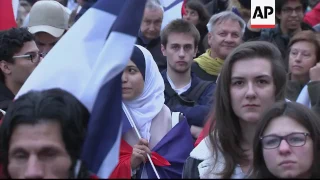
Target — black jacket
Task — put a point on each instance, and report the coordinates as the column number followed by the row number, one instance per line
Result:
column 154, row 46
column 6, row 96
column 195, row 68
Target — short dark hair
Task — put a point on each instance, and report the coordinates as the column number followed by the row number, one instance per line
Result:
column 54, row 105
column 180, row 26
column 225, row 126
column 201, row 10
column 302, row 115
column 11, row 42
column 280, row 3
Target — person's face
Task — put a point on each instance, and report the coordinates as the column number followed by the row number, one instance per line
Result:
column 132, row 82
column 225, row 37
column 252, row 89
column 287, row 161
column 180, row 51
column 45, row 41
column 302, row 57
column 291, row 14
column 19, row 71
column 37, row 152
column 191, row 16
column 151, row 23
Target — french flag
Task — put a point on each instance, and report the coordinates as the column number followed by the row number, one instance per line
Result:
column 303, row 97
column 88, row 62
column 8, row 14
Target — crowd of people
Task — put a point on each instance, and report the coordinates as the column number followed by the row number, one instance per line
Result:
column 222, row 97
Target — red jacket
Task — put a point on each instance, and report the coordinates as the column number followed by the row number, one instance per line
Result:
column 313, row 17
column 205, row 131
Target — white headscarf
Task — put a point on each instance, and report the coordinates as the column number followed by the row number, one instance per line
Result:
column 147, row 105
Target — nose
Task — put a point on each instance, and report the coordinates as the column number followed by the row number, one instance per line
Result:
column 124, row 77
column 294, row 13
column 181, row 52
column 284, row 147
column 251, row 93
column 297, row 59
column 34, row 169
column 229, row 38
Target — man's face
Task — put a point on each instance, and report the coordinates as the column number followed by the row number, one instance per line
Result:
column 151, row 23
column 180, row 51
column 37, row 152
column 18, row 71
column 45, row 41
column 291, row 15
column 225, row 36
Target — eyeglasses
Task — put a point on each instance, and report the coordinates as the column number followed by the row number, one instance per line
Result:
column 290, row 10
column 33, row 57
column 293, row 139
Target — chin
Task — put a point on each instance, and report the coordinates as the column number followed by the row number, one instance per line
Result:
column 251, row 118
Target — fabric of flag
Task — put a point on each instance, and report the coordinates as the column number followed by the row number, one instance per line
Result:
column 303, row 97
column 174, row 148
column 7, row 17
column 88, row 62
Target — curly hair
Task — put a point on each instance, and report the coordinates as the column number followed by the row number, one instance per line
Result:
column 11, row 42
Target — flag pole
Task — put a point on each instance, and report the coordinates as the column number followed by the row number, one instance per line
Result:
column 126, row 111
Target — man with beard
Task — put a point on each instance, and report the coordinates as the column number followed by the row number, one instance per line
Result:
column 225, row 33
column 289, row 15
column 184, row 91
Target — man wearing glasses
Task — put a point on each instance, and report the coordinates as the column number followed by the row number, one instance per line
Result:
column 49, row 20
column 19, row 55
column 289, row 16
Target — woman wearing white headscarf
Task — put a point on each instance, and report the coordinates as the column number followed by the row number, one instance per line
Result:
column 143, row 96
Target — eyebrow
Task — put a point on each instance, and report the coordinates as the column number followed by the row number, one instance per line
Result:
column 257, row 77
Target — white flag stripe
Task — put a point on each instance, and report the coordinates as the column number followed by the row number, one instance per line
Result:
column 81, row 45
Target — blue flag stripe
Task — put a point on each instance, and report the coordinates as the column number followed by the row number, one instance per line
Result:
column 110, row 6
column 129, row 20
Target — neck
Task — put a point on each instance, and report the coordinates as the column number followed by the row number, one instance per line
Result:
column 286, row 31
column 179, row 80
column 214, row 55
column 301, row 79
column 14, row 88
column 248, row 132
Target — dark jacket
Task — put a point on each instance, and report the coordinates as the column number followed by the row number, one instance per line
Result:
column 87, row 5
column 6, row 96
column 195, row 115
column 154, row 46
column 314, row 89
column 215, row 6
column 195, row 68
column 275, row 36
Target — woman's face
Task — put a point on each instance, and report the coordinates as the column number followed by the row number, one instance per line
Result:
column 302, row 57
column 132, row 82
column 287, row 161
column 191, row 16
column 252, row 89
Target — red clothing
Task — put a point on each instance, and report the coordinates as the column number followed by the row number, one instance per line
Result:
column 183, row 8
column 313, row 17
column 123, row 169
column 7, row 20
column 204, row 133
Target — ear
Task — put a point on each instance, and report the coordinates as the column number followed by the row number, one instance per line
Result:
column 195, row 51
column 5, row 68
column 163, row 50
column 209, row 37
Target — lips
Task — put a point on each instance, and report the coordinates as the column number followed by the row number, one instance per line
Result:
column 251, row 105
column 297, row 66
column 287, row 162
